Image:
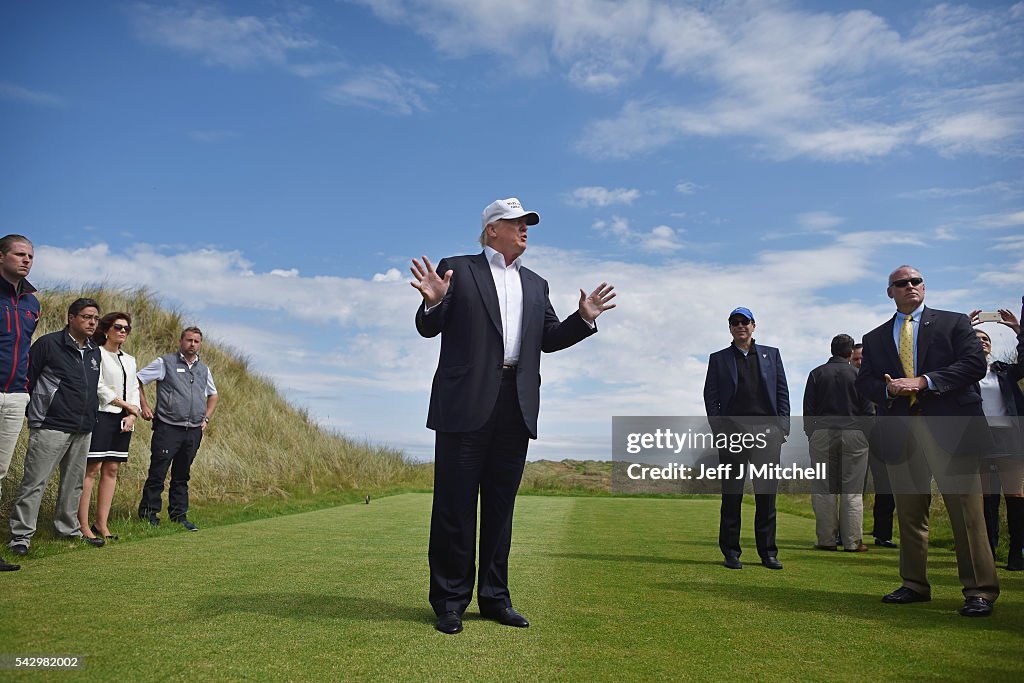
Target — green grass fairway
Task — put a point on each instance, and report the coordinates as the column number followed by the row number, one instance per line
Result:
column 616, row 589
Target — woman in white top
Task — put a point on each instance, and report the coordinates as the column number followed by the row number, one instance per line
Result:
column 1003, row 403
column 118, row 392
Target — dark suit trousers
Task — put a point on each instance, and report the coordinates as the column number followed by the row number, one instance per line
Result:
column 490, row 461
column 885, row 504
column 764, row 500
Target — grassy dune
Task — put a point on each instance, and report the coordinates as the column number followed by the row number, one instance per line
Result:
column 258, row 449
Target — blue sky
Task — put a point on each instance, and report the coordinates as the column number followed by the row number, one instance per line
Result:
column 271, row 167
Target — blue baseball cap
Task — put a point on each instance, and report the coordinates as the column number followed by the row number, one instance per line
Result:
column 745, row 312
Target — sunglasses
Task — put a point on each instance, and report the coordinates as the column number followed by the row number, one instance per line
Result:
column 122, row 328
column 736, row 322
column 913, row 281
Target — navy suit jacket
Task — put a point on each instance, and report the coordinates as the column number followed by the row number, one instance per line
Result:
column 720, row 383
column 948, row 351
column 468, row 376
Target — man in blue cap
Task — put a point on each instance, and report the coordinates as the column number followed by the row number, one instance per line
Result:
column 746, row 380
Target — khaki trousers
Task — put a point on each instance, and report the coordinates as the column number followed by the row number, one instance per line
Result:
column 961, row 492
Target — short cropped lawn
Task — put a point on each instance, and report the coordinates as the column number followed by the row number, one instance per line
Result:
column 615, row 589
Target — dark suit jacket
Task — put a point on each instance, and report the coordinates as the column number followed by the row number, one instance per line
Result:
column 468, row 375
column 948, row 351
column 720, row 383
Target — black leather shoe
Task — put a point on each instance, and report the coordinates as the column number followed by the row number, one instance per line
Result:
column 187, row 524
column 885, row 543
column 732, row 562
column 771, row 562
column 507, row 617
column 5, row 567
column 905, row 596
column 95, row 542
column 449, row 622
column 96, row 531
column 19, row 550
column 976, row 607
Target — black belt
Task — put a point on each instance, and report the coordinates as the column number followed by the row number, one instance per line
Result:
column 508, row 370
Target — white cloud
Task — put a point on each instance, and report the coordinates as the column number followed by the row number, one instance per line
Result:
column 383, row 89
column 38, row 98
column 660, row 239
column 819, row 221
column 1003, row 188
column 596, row 196
column 686, row 187
column 1004, row 220
column 238, row 42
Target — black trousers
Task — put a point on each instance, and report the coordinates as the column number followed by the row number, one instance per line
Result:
column 175, row 448
column 488, row 461
column 730, row 519
column 885, row 505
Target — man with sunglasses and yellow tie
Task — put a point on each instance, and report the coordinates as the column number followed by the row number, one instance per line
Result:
column 920, row 368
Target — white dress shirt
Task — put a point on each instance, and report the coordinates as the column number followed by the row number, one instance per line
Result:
column 509, row 287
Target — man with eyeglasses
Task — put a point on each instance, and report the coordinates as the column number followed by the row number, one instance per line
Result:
column 747, row 381
column 185, row 400
column 921, row 368
column 64, row 370
column 20, row 312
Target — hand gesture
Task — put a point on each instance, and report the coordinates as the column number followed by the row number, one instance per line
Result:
column 1010, row 320
column 597, row 303
column 432, row 287
column 904, row 386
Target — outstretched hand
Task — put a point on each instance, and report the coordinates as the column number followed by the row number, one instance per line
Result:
column 427, row 281
column 597, row 303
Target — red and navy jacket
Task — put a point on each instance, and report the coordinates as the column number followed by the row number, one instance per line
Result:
column 19, row 313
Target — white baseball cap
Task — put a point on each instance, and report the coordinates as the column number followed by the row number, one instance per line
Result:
column 505, row 209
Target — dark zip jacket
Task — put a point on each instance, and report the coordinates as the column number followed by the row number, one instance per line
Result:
column 62, row 381
column 19, row 313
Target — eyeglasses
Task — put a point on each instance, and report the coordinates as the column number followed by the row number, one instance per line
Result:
column 736, row 322
column 900, row 284
column 88, row 317
column 122, row 328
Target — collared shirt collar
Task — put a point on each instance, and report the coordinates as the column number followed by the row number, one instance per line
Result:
column 915, row 315
column 185, row 361
column 492, row 253
column 69, row 337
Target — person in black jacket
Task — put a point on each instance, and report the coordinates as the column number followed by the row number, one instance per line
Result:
column 64, row 370
column 494, row 317
column 1003, row 404
column 833, row 417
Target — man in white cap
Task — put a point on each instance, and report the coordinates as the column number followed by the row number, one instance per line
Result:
column 494, row 318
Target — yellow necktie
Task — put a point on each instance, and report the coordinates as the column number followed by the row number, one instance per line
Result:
column 907, row 350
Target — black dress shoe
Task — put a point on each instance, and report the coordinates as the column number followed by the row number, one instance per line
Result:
column 95, row 542
column 96, row 531
column 732, row 562
column 507, row 617
column 5, row 567
column 771, row 562
column 19, row 550
column 976, row 607
column 885, row 543
column 449, row 622
column 905, row 596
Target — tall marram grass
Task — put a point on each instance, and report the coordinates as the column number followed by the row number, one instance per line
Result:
column 257, row 444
